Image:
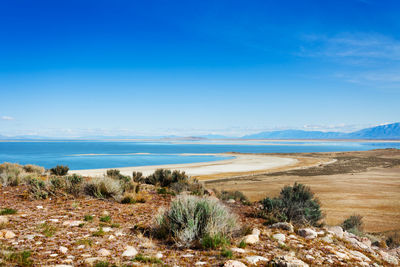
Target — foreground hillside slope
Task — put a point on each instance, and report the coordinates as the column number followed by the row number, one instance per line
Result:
column 56, row 233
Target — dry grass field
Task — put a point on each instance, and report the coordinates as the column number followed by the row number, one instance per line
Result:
column 365, row 183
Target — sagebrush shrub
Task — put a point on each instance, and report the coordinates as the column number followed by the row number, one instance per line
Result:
column 38, row 188
column 191, row 218
column 296, row 204
column 137, row 177
column 103, row 187
column 353, row 223
column 11, row 174
column 235, row 195
column 59, row 170
column 30, row 168
column 73, row 184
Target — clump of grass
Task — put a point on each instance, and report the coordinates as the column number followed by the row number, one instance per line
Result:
column 88, row 218
column 103, row 187
column 99, row 232
column 106, row 218
column 102, row 264
column 73, row 184
column 215, row 241
column 242, row 244
column 192, row 218
column 8, row 211
column 59, row 170
column 226, row 253
column 115, row 225
column 21, row 258
column 146, row 259
column 296, row 204
column 47, row 229
column 393, row 240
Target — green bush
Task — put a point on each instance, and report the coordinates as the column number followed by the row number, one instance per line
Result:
column 165, row 178
column 226, row 253
column 59, row 170
column 353, row 224
column 116, row 174
column 38, row 188
column 73, row 184
column 147, row 260
column 192, row 218
column 296, row 204
column 103, row 187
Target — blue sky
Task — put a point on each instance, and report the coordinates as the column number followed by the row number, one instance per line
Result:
column 81, row 68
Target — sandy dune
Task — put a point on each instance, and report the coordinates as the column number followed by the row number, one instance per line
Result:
column 240, row 164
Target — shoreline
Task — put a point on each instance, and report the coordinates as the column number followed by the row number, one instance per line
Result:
column 240, row 164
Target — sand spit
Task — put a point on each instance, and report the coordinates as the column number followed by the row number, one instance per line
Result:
column 242, row 163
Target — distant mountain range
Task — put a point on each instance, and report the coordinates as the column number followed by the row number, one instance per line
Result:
column 385, row 132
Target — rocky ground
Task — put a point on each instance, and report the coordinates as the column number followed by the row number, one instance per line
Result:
column 56, row 233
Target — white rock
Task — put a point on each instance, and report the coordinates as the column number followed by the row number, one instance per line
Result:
column 256, row 231
column 30, row 237
column 104, row 252
column 238, row 250
column 111, row 237
column 233, row 263
column 70, row 257
column 251, row 239
column 3, row 220
column 231, row 201
column 107, row 229
column 53, row 220
column 7, row 234
column 105, row 213
column 93, row 260
column 53, row 255
column 307, row 233
column 341, row 255
column 188, row 256
column 255, row 259
column 119, row 233
column 279, row 237
column 359, row 255
column 63, row 249
column 389, row 258
column 200, row 263
column 80, row 247
column 327, row 239
column 336, row 230
column 72, row 223
column 309, row 257
column 159, row 255
column 38, row 243
column 129, row 252
column 63, row 265
column 39, row 207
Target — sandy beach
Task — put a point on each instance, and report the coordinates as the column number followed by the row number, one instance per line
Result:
column 241, row 164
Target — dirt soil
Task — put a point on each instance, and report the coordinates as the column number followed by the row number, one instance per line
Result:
column 366, row 183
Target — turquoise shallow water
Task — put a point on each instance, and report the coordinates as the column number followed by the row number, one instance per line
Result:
column 71, row 153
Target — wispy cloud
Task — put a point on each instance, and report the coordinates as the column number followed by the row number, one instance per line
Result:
column 6, row 118
column 356, row 47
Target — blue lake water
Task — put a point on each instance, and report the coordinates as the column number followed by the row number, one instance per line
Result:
column 115, row 154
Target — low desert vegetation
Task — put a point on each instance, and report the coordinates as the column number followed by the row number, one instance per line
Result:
column 192, row 219
column 354, row 224
column 295, row 204
column 235, row 195
column 103, row 187
column 59, row 170
column 7, row 211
